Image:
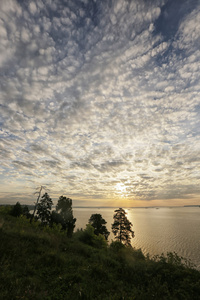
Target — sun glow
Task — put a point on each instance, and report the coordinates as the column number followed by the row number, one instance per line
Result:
column 121, row 188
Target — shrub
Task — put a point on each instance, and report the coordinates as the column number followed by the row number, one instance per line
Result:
column 5, row 209
column 87, row 236
column 116, row 246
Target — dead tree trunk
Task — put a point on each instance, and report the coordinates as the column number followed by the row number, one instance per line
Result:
column 38, row 198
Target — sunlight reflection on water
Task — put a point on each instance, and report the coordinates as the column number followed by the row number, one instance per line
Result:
column 157, row 230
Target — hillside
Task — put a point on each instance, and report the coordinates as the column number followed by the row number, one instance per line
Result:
column 42, row 263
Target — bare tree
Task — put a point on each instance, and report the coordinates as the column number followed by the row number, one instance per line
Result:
column 38, row 198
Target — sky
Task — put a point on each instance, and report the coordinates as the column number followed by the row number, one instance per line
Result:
column 100, row 101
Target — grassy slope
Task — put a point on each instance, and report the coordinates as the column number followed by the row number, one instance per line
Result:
column 39, row 264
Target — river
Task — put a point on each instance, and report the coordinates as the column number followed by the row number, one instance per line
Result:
column 157, row 230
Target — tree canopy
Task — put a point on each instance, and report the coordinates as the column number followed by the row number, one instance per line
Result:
column 121, row 227
column 98, row 223
column 16, row 210
column 26, row 212
column 64, row 209
column 44, row 209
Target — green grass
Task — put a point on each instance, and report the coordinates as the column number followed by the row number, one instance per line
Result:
column 42, row 263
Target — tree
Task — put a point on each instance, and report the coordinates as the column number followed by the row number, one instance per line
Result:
column 121, row 227
column 25, row 212
column 16, row 210
column 64, row 208
column 98, row 223
column 39, row 194
column 56, row 218
column 88, row 236
column 44, row 209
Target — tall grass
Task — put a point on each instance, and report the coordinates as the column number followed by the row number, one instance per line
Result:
column 42, row 263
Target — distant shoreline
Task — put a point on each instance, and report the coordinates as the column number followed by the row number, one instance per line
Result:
column 31, row 206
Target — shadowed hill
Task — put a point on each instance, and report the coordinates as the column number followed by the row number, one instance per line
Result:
column 42, row 263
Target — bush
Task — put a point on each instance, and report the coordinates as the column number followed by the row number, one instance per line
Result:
column 116, row 246
column 5, row 209
column 87, row 236
column 172, row 258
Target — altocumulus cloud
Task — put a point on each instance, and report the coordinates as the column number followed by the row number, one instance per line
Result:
column 100, row 100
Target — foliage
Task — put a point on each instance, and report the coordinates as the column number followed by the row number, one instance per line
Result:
column 55, row 228
column 44, row 209
column 56, row 218
column 6, row 209
column 45, row 264
column 121, row 227
column 98, row 223
column 16, row 210
column 173, row 259
column 64, row 208
column 25, row 212
column 89, row 237
column 116, row 246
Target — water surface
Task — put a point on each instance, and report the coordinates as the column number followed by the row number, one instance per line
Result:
column 156, row 230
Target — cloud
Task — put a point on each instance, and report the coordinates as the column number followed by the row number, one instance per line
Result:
column 22, row 165
column 96, row 94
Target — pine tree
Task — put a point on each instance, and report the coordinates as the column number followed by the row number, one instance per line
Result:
column 16, row 210
column 64, row 209
column 121, row 227
column 98, row 223
column 44, row 209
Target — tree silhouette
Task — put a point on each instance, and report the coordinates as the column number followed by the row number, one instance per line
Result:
column 98, row 223
column 56, row 218
column 16, row 210
column 25, row 212
column 38, row 198
column 44, row 209
column 121, row 227
column 64, row 209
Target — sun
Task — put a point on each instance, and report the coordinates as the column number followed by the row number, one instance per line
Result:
column 121, row 188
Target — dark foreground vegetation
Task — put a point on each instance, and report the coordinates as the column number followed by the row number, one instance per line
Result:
column 42, row 262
